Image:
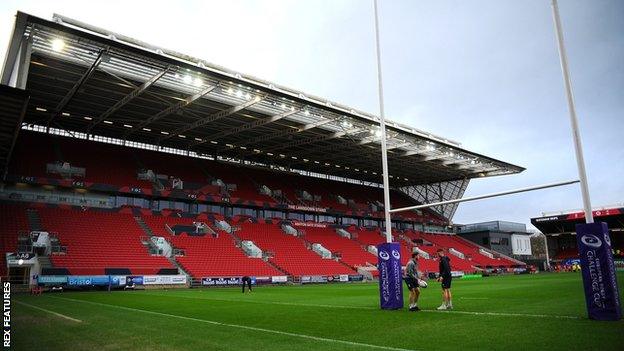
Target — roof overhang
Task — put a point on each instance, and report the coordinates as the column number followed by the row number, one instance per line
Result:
column 89, row 80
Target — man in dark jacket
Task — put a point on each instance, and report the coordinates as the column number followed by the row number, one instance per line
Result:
column 445, row 278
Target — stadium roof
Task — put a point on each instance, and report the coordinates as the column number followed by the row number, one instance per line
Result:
column 90, row 80
column 564, row 222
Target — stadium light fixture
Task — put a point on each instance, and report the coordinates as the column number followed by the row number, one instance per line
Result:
column 243, row 148
column 213, row 142
column 182, row 136
column 198, row 139
column 41, row 109
column 256, row 150
column 269, row 154
column 317, row 162
column 87, row 118
column 239, row 94
column 187, row 79
column 108, row 122
column 66, row 114
column 198, row 82
column 147, row 129
column 58, row 45
column 127, row 126
column 164, row 133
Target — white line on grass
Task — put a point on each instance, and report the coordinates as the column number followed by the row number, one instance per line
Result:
column 51, row 312
column 474, row 298
column 270, row 331
column 499, row 314
column 503, row 314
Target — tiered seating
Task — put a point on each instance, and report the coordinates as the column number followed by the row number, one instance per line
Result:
column 98, row 240
column 352, row 253
column 81, row 153
column 128, row 161
column 207, row 256
column 367, row 236
column 172, row 165
column 13, row 220
column 567, row 253
column 290, row 252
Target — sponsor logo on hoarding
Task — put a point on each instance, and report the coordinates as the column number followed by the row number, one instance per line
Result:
column 356, row 278
column 134, row 279
column 276, row 279
column 52, row 279
column 221, row 281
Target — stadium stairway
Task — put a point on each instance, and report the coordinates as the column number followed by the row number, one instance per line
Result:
column 150, row 234
column 34, row 221
column 238, row 240
column 290, row 253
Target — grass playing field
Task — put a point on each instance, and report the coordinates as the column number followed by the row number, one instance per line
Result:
column 545, row 311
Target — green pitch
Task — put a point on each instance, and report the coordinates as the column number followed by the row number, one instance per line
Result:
column 544, row 311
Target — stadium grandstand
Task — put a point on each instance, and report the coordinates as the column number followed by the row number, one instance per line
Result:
column 560, row 230
column 124, row 159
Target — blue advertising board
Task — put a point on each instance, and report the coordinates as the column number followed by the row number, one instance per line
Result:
column 390, row 276
column 599, row 279
column 52, row 279
column 88, row 280
column 134, row 279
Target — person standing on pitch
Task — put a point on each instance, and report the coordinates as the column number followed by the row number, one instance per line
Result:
column 246, row 279
column 411, row 279
column 445, row 278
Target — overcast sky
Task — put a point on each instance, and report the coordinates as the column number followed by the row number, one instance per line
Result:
column 484, row 73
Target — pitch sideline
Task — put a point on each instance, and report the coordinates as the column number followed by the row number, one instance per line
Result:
column 48, row 311
column 270, row 331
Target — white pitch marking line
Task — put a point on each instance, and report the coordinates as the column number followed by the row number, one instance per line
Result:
column 474, row 298
column 503, row 314
column 51, row 312
column 500, row 314
column 271, row 331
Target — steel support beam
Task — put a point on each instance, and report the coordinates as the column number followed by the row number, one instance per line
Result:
column 287, row 132
column 247, row 126
column 72, row 92
column 310, row 140
column 213, row 117
column 126, row 99
column 171, row 109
